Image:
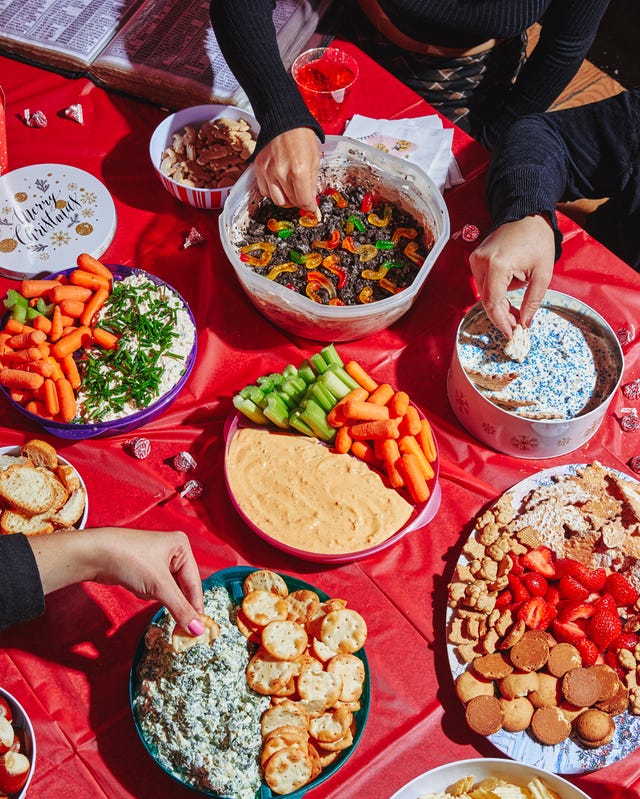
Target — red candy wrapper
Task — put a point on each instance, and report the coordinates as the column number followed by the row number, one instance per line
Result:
column 632, row 390
column 74, row 112
column 35, row 120
column 139, row 447
column 192, row 489
column 629, row 420
column 184, row 461
column 634, row 464
column 193, row 238
column 470, row 232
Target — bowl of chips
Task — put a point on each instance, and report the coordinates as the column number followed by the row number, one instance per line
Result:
column 547, row 391
column 18, row 763
column 355, row 268
column 477, row 777
column 198, row 153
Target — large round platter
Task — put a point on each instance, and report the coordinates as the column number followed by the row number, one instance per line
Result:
column 134, row 420
column 232, row 579
column 567, row 757
column 442, row 777
column 421, row 515
column 82, row 522
column 49, row 214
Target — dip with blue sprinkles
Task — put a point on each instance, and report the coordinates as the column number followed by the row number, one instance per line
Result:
column 568, row 371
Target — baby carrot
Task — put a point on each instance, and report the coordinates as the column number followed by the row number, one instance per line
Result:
column 13, row 326
column 78, row 293
column 365, row 452
column 42, row 323
column 417, row 485
column 70, row 370
column 364, row 411
column 66, row 320
column 381, row 428
column 43, row 367
column 80, row 277
column 335, row 417
column 399, row 403
column 66, row 399
column 91, row 264
column 20, row 395
column 391, row 456
column 57, row 371
column 37, row 288
column 72, row 308
column 410, row 424
column 21, row 340
column 93, row 306
column 51, row 397
column 343, row 440
column 425, row 439
column 409, row 446
column 56, row 324
column 18, row 378
column 25, row 355
column 104, row 338
column 68, row 344
column 381, row 395
column 354, row 370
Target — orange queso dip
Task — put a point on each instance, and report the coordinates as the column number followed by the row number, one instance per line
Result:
column 302, row 494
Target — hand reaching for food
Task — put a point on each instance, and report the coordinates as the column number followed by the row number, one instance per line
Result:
column 287, row 169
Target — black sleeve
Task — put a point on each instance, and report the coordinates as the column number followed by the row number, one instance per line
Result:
column 590, row 151
column 567, row 33
column 247, row 38
column 21, row 596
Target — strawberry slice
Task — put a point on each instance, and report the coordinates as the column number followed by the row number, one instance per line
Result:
column 536, row 613
column 540, row 560
column 620, row 589
column 588, row 651
column 603, row 628
column 566, row 567
column 504, row 599
column 567, row 631
column 553, row 595
column 535, row 583
column 625, row 640
column 516, row 565
column 592, row 579
column 518, row 589
column 570, row 588
column 608, row 603
column 574, row 610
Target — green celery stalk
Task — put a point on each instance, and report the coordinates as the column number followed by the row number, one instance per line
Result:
column 302, row 427
column 249, row 409
column 294, row 387
column 313, row 415
column 319, row 364
column 289, row 371
column 332, row 383
column 14, row 298
column 288, row 401
column 346, row 378
column 253, row 393
column 45, row 308
column 306, row 372
column 276, row 411
column 31, row 313
column 320, row 394
column 330, row 355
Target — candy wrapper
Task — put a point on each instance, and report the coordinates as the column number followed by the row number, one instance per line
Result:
column 629, row 419
column 139, row 447
column 193, row 239
column 423, row 141
column 183, row 462
column 632, row 390
column 74, row 112
column 192, row 489
column 37, row 119
column 634, row 464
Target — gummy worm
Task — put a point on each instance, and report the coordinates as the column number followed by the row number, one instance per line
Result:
column 407, row 232
column 279, row 268
column 329, row 244
column 366, row 295
column 411, row 251
column 332, row 264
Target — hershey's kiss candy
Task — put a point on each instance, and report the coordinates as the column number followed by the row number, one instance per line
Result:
column 139, row 447
column 192, row 489
column 184, row 461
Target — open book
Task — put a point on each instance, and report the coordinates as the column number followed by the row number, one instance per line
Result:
column 161, row 50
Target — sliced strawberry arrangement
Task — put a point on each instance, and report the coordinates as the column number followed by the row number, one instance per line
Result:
column 578, row 605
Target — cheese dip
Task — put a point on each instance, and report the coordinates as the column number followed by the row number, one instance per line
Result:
column 198, row 715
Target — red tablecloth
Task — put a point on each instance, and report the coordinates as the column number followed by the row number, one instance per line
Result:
column 70, row 668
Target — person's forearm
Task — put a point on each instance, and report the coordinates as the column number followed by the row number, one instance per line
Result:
column 64, row 558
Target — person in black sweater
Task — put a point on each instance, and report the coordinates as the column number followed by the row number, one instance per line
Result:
column 592, row 151
column 466, row 59
column 153, row 565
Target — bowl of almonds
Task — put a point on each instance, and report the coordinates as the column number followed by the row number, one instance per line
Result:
column 199, row 152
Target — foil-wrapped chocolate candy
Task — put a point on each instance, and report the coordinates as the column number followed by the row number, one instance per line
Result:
column 470, row 232
column 192, row 489
column 37, row 119
column 634, row 464
column 632, row 390
column 139, row 447
column 74, row 112
column 193, row 238
column 184, row 461
column 629, row 419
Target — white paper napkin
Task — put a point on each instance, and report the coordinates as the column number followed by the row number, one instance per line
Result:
column 422, row 140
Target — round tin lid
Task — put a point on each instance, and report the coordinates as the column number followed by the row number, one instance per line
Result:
column 49, row 214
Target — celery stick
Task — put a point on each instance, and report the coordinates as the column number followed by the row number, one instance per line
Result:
column 313, row 415
column 289, row 371
column 276, row 411
column 320, row 394
column 332, row 383
column 302, row 427
column 330, row 355
column 319, row 364
column 249, row 409
column 31, row 313
column 253, row 393
column 344, row 376
column 294, row 387
column 306, row 372
column 285, row 398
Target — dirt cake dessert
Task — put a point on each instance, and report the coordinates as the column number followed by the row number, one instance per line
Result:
column 568, row 370
column 360, row 248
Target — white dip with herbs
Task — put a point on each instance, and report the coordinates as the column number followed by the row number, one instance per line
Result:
column 155, row 337
column 195, row 709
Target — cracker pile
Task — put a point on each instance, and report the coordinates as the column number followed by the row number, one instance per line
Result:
column 212, row 156
column 306, row 663
column 38, row 493
column 494, row 788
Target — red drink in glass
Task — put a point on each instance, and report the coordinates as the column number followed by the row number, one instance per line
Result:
column 324, row 77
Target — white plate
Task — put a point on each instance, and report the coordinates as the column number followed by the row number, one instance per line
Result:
column 566, row 757
column 83, row 519
column 439, row 779
column 49, row 214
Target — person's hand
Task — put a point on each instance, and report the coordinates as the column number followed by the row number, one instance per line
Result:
column 151, row 564
column 520, row 252
column 287, row 169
